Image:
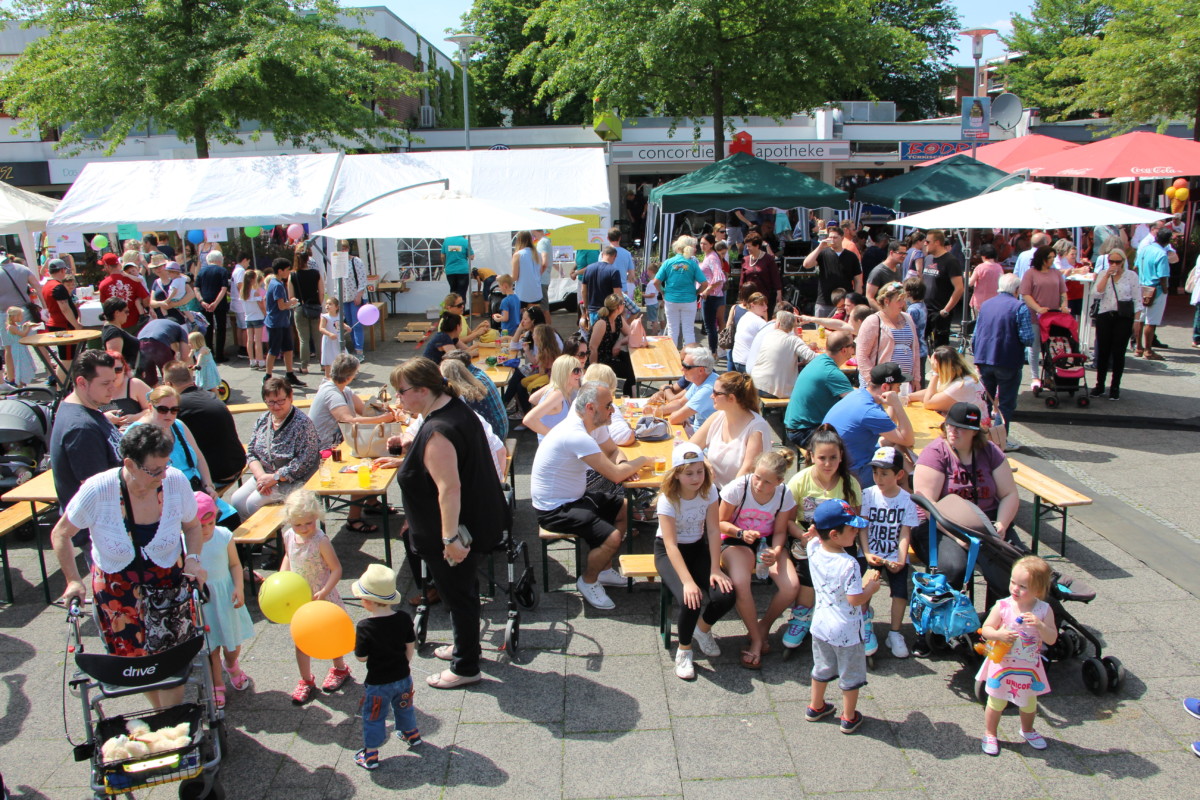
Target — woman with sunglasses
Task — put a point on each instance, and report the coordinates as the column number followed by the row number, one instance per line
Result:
column 455, row 304
column 1117, row 288
column 136, row 513
column 130, row 395
column 888, row 335
column 566, row 375
column 185, row 453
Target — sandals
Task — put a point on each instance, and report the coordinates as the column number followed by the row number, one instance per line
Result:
column 439, row 680
column 304, row 691
column 378, row 509
column 367, row 761
column 751, row 660
column 335, row 679
column 360, row 525
column 237, row 679
column 219, row 697
column 444, row 653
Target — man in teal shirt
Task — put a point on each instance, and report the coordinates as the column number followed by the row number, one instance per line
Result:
column 457, row 256
column 818, row 387
column 1154, row 271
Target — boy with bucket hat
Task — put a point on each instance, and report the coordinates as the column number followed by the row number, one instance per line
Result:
column 385, row 640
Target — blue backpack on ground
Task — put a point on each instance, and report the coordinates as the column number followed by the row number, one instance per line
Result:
column 938, row 608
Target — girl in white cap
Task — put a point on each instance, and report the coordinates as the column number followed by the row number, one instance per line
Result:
column 687, row 553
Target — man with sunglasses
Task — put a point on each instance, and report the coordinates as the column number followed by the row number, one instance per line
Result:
column 83, row 442
column 695, row 403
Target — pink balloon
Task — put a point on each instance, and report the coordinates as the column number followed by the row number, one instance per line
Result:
column 368, row 315
column 295, row 231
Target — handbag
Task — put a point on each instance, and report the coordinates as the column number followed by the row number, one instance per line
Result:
column 36, row 312
column 725, row 335
column 637, row 334
column 1148, row 295
column 652, row 429
column 365, row 441
column 310, row 310
column 935, row 606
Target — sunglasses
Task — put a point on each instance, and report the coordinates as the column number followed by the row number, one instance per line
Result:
column 154, row 473
column 1116, row 261
column 167, row 409
column 577, row 371
column 722, row 394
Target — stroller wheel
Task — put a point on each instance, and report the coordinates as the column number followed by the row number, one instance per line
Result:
column 223, row 391
column 1083, row 401
column 1095, row 676
column 421, row 624
column 1116, row 672
column 1037, row 391
column 512, row 636
column 525, row 593
column 1052, row 402
column 981, row 692
column 936, row 642
column 201, row 789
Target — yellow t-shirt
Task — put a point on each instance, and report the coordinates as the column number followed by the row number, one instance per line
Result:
column 809, row 494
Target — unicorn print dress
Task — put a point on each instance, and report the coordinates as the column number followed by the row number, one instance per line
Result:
column 1020, row 675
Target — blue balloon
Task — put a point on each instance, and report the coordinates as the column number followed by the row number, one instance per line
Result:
column 195, row 237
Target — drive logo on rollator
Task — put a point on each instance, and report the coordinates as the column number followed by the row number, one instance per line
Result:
column 138, row 672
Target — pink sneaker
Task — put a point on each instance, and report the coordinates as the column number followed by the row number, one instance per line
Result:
column 335, row 679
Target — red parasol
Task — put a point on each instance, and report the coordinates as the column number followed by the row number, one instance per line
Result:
column 1011, row 154
column 1135, row 155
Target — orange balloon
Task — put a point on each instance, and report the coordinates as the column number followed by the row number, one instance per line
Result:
column 1180, row 183
column 1170, row 193
column 322, row 629
column 1183, row 194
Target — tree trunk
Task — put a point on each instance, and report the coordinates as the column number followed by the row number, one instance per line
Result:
column 1196, row 119
column 718, row 115
column 200, row 134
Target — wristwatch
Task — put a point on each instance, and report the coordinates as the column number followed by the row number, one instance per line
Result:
column 190, row 556
column 451, row 540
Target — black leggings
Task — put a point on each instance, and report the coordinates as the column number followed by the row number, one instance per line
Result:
column 699, row 565
column 1112, row 340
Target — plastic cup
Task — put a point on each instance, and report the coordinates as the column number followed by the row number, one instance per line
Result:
column 364, row 475
column 660, row 465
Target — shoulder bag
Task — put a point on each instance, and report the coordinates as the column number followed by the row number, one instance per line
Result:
column 35, row 311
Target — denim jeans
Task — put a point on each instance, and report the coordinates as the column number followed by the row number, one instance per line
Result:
column 376, row 700
column 1196, row 326
column 1004, row 383
column 711, row 306
column 350, row 315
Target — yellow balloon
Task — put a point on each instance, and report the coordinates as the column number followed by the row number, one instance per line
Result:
column 1171, row 190
column 322, row 629
column 1183, row 194
column 281, row 595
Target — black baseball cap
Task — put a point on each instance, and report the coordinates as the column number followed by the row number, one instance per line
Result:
column 888, row 458
column 964, row 415
column 888, row 372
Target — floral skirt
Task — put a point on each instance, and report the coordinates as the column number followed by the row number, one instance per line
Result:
column 117, row 597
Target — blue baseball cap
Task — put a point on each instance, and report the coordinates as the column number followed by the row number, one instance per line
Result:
column 833, row 514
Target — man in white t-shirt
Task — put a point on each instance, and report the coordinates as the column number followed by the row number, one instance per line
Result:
column 558, row 485
column 776, row 356
column 236, row 304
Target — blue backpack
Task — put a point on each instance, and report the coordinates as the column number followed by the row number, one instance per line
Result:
column 938, row 608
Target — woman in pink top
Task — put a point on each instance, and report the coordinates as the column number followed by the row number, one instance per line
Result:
column 710, row 265
column 985, row 278
column 1044, row 289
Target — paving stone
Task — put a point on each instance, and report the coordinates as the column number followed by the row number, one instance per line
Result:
column 646, row 758
column 621, row 693
column 749, row 745
column 516, row 760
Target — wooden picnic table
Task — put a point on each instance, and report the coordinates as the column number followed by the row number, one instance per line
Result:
column 345, row 487
column 500, row 375
column 44, row 343
column 38, row 491
column 657, row 362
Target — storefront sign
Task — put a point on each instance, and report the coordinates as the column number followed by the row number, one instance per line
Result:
column 977, row 118
column 927, row 151
column 25, row 173
column 681, row 152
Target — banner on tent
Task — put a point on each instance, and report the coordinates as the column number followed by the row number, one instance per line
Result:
column 678, row 152
column 927, row 151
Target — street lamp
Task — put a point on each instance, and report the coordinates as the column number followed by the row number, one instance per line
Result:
column 977, row 36
column 464, row 42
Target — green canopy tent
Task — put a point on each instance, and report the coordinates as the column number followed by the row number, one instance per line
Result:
column 948, row 181
column 740, row 181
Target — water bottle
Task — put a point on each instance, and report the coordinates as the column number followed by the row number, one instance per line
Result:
column 760, row 569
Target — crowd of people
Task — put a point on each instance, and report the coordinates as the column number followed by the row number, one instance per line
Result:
column 141, row 492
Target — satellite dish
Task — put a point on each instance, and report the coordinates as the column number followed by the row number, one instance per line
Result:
column 1006, row 111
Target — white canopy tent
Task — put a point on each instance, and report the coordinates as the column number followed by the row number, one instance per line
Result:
column 24, row 213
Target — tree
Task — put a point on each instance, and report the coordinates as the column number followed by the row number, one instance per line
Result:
column 687, row 59
column 1052, row 43
column 109, row 68
column 1144, row 66
column 501, row 88
column 916, row 88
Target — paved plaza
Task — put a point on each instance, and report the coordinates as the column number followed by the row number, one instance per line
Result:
column 594, row 709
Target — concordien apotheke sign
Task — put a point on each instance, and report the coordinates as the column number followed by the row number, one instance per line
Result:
column 676, row 152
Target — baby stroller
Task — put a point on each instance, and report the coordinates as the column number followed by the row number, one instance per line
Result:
column 193, row 759
column 522, row 590
column 26, row 416
column 1062, row 363
column 963, row 520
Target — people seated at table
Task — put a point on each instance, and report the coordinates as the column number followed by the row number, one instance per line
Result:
column 455, row 304
column 818, row 387
column 869, row 414
column 283, row 452
column 777, row 355
column 145, row 540
column 694, row 404
column 84, row 442
column 748, row 327
column 536, row 344
column 201, row 411
column 735, row 433
column 609, row 342
column 952, row 380
column 888, row 335
column 558, row 486
column 619, row 430
column 477, row 390
column 130, row 395
column 754, row 514
column 566, row 375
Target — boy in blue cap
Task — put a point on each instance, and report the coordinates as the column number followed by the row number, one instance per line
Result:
column 837, row 629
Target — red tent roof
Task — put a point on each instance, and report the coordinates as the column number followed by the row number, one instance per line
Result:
column 1134, row 155
column 1011, row 154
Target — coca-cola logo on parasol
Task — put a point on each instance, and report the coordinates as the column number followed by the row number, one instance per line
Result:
column 1155, row 171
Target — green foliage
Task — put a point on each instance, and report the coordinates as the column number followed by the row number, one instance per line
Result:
column 688, row 59
column 110, row 68
column 1144, row 67
column 1054, row 42
column 501, row 85
column 916, row 88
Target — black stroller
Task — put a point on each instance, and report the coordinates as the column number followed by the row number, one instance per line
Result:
column 26, row 416
column 1062, row 370
column 192, row 759
column 961, row 519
